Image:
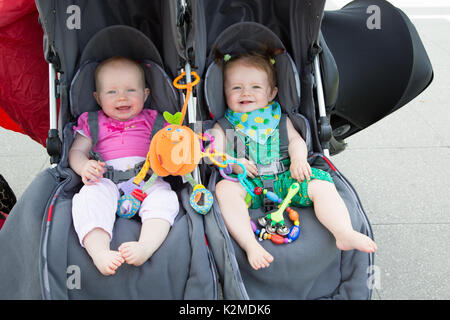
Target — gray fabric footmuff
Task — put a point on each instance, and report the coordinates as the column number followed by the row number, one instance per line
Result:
column 179, row 269
column 309, row 268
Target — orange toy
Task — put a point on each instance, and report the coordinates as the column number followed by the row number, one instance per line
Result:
column 174, row 150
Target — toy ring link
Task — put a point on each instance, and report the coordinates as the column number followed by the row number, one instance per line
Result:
column 198, row 191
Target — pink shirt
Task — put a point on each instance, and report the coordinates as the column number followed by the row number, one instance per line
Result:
column 119, row 139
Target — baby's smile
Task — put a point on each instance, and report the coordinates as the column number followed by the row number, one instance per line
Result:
column 123, row 108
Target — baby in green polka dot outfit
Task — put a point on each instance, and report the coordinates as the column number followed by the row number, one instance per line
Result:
column 250, row 87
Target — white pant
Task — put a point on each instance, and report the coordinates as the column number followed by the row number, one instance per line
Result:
column 95, row 206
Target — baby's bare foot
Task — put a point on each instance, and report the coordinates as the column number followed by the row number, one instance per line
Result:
column 135, row 252
column 257, row 256
column 354, row 240
column 107, row 261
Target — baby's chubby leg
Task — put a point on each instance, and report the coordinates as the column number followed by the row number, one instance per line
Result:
column 231, row 198
column 153, row 234
column 94, row 213
column 331, row 211
column 157, row 212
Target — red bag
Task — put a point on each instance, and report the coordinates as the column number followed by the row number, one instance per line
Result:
column 23, row 70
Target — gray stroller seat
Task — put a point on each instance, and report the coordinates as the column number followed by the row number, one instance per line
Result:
column 311, row 267
column 48, row 254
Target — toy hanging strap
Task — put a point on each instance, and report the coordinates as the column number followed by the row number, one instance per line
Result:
column 188, row 87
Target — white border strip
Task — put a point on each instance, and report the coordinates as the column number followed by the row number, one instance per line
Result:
column 429, row 17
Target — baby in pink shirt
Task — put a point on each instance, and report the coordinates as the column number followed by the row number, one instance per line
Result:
column 123, row 141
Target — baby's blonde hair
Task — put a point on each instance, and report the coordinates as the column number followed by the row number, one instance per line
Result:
column 255, row 60
column 118, row 60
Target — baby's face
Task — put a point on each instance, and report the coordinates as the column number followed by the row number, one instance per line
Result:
column 121, row 93
column 247, row 88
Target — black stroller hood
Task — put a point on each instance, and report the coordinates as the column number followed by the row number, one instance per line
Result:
column 381, row 68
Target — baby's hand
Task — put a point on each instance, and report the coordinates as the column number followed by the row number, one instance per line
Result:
column 92, row 172
column 300, row 169
column 250, row 166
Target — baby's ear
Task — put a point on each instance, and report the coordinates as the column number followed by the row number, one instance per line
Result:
column 146, row 93
column 96, row 97
column 274, row 93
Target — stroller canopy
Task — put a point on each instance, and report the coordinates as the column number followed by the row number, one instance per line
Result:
column 380, row 70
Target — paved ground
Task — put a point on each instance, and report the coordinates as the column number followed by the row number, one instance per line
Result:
column 399, row 167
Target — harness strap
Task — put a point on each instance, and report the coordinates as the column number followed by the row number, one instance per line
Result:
column 93, row 128
column 284, row 139
column 118, row 176
column 158, row 124
column 268, row 175
column 232, row 137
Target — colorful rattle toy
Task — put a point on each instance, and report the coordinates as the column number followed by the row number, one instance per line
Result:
column 273, row 225
column 130, row 202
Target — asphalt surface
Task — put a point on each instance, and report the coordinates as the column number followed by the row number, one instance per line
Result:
column 399, row 167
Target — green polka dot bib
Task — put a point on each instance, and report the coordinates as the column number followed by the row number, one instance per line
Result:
column 259, row 124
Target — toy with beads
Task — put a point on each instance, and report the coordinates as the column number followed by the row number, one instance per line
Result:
column 273, row 224
column 131, row 199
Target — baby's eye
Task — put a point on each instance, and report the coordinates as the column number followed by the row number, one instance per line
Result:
column 256, row 87
column 236, row 88
column 111, row 92
column 131, row 90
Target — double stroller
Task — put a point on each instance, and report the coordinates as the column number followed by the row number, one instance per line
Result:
column 42, row 257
